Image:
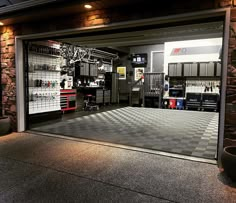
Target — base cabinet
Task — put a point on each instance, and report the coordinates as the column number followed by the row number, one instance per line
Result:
column 68, row 100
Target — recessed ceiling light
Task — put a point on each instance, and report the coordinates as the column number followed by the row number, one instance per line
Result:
column 88, row 6
column 1, row 23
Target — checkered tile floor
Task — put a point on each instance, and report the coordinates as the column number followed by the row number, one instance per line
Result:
column 191, row 133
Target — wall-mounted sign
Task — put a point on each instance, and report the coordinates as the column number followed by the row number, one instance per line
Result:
column 122, row 72
column 196, row 50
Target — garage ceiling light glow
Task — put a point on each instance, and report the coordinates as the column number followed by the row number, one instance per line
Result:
column 88, row 6
column 1, row 23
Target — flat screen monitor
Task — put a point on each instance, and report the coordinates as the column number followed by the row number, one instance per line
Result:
column 139, row 60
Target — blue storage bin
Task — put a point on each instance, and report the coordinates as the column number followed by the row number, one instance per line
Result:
column 180, row 104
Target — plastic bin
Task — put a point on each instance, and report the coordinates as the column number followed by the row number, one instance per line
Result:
column 180, row 104
column 172, row 103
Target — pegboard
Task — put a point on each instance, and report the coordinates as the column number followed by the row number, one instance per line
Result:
column 43, row 83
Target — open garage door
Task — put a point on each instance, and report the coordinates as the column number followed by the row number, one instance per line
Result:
column 93, row 80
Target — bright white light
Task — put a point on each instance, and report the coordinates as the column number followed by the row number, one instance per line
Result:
column 88, row 6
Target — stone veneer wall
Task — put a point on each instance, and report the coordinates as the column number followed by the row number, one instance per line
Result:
column 230, row 116
column 99, row 17
column 230, row 108
column 8, row 73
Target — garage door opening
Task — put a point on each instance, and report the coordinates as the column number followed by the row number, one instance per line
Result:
column 155, row 89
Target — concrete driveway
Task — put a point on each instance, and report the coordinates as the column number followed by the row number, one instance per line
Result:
column 39, row 168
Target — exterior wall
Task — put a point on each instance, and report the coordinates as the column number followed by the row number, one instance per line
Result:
column 99, row 17
column 8, row 73
column 230, row 116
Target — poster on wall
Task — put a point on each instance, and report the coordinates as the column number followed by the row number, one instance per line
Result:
column 122, row 72
column 138, row 73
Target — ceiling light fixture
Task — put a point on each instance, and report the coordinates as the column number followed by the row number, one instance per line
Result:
column 88, row 6
column 1, row 23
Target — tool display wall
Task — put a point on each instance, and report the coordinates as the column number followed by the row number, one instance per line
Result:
column 44, row 79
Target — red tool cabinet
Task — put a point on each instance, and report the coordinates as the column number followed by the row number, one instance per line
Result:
column 68, row 99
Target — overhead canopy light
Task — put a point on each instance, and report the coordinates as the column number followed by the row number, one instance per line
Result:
column 88, row 6
column 1, row 23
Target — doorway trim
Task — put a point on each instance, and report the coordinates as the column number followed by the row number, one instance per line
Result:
column 225, row 12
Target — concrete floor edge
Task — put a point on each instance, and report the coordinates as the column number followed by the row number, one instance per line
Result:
column 167, row 154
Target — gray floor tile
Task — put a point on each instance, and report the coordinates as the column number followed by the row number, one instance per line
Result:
column 168, row 128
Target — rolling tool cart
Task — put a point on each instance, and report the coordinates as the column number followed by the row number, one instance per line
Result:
column 210, row 101
column 68, row 100
column 193, row 101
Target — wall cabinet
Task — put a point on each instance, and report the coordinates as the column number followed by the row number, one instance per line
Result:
column 200, row 69
column 175, row 69
column 190, row 69
column 207, row 69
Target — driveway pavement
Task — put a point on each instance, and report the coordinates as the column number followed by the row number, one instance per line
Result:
column 39, row 168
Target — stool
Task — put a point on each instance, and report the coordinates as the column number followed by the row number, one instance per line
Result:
column 90, row 103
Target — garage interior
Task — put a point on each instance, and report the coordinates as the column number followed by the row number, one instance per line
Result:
column 156, row 89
